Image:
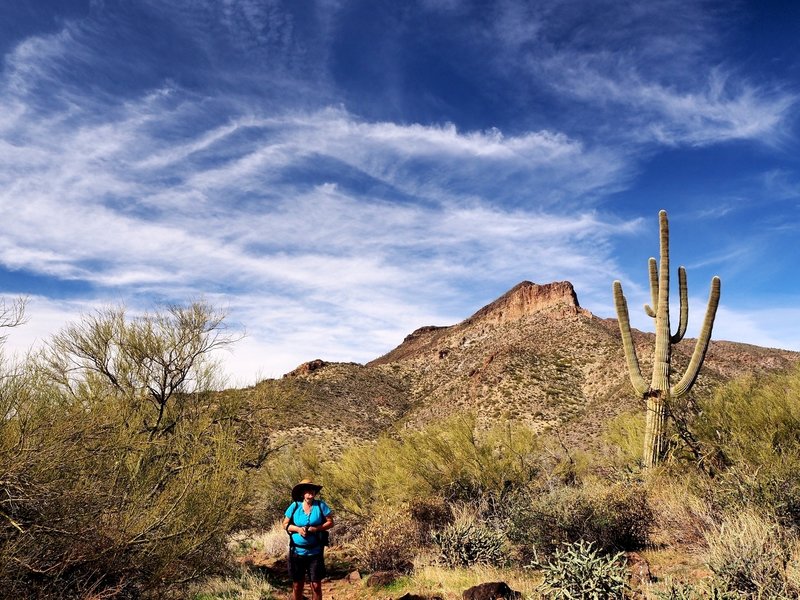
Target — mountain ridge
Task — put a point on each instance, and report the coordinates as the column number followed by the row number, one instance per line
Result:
column 532, row 355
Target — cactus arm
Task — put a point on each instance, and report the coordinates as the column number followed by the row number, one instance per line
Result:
column 634, row 371
column 700, row 348
column 684, row 307
column 649, row 309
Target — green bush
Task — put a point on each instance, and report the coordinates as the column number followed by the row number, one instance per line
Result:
column 612, row 517
column 449, row 459
column 282, row 470
column 388, row 542
column 673, row 590
column 750, row 434
column 580, row 571
column 624, row 436
column 466, row 542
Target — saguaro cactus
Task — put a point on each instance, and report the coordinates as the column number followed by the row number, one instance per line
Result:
column 659, row 393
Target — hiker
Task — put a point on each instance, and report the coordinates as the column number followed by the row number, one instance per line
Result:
column 307, row 522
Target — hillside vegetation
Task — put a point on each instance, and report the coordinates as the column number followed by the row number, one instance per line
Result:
column 533, row 356
column 506, row 444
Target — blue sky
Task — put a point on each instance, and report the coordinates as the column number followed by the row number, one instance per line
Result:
column 335, row 174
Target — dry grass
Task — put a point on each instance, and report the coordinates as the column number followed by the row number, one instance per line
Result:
column 682, row 519
column 246, row 585
column 272, row 542
column 429, row 578
column 749, row 553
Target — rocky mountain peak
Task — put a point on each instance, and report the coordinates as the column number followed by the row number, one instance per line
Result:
column 527, row 298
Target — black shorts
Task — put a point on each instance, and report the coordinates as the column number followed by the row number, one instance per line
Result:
column 311, row 566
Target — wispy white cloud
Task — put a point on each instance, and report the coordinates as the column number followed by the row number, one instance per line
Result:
column 324, row 233
column 780, row 185
column 762, row 327
column 655, row 71
column 344, row 266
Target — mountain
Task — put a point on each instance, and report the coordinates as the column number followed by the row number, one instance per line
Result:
column 533, row 355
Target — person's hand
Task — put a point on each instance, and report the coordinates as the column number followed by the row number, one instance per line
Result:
column 304, row 531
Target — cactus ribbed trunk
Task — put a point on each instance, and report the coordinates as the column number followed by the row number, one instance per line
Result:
column 660, row 392
column 655, row 443
column 654, row 434
column 658, row 396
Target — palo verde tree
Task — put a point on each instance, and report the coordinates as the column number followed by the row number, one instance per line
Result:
column 660, row 392
column 122, row 468
column 156, row 364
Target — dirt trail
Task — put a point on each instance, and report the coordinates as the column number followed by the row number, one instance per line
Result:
column 334, row 587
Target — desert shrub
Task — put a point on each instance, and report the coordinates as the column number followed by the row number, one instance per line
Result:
column 429, row 514
column 578, row 570
column 389, row 541
column 748, row 555
column 466, row 542
column 446, row 460
column 750, row 434
column 624, row 436
column 773, row 487
column 124, row 473
column 271, row 542
column 281, row 472
column 612, row 517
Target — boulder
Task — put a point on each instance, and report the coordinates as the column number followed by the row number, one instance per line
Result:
column 639, row 568
column 492, row 590
column 353, row 577
column 382, row 578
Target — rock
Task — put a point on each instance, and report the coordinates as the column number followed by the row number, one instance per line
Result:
column 422, row 332
column 493, row 590
column 639, row 568
column 527, row 298
column 418, row 597
column 307, row 367
column 353, row 577
column 382, row 578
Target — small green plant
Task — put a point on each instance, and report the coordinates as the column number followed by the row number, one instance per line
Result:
column 578, row 570
column 465, row 542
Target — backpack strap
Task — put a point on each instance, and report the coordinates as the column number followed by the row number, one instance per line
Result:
column 291, row 517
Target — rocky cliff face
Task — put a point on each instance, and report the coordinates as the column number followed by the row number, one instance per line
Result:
column 524, row 301
column 527, row 298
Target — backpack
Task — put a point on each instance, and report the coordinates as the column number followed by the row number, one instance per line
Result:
column 323, row 536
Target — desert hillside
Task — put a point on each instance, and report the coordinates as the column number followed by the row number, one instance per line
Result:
column 532, row 355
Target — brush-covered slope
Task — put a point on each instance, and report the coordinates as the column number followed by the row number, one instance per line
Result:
column 533, row 355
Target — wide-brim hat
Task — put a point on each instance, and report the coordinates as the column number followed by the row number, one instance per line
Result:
column 297, row 491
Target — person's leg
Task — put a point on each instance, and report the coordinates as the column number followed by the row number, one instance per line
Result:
column 297, row 590
column 297, row 572
column 316, row 573
column 316, row 590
